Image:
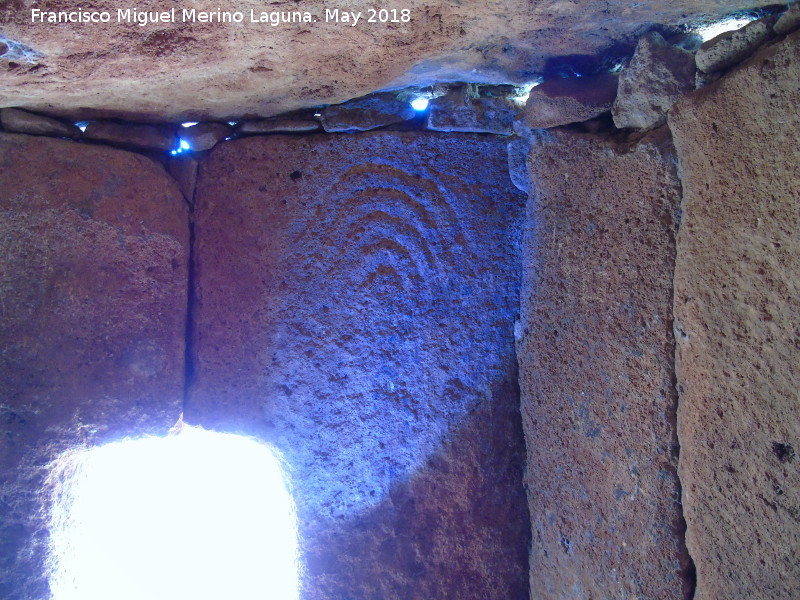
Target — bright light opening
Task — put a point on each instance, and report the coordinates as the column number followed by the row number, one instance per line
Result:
column 419, row 104
column 82, row 125
column 189, row 124
column 193, row 516
column 525, row 91
column 709, row 32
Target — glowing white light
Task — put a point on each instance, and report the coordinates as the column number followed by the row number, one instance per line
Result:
column 526, row 91
column 197, row 515
column 709, row 32
column 419, row 104
column 189, row 124
column 185, row 145
column 232, row 123
column 82, row 125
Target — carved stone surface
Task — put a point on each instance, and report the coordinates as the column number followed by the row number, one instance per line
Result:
column 736, row 309
column 193, row 71
column 355, row 305
column 93, row 275
column 595, row 349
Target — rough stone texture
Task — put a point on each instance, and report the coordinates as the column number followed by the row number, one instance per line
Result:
column 363, row 114
column 355, row 305
column 93, row 272
column 15, row 120
column 703, row 79
column 133, row 135
column 570, row 100
column 183, row 169
column 277, row 126
column 208, row 71
column 732, row 47
column 788, row 21
column 204, row 136
column 459, row 111
column 736, row 308
column 518, row 150
column 595, row 348
column 657, row 76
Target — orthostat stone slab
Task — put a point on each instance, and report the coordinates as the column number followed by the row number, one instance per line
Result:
column 736, row 307
column 356, row 296
column 595, row 349
column 193, row 71
column 93, row 263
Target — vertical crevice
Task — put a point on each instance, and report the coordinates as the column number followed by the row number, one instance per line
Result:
column 690, row 569
column 190, row 357
column 191, row 299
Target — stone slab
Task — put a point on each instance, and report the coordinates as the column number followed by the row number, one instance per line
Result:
column 732, row 47
column 355, row 305
column 459, row 111
column 93, row 284
column 195, row 71
column 789, row 21
column 133, row 136
column 259, row 126
column 183, row 169
column 736, row 309
column 363, row 114
column 562, row 101
column 595, row 349
column 656, row 77
column 15, row 120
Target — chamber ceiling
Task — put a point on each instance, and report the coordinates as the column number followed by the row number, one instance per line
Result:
column 179, row 70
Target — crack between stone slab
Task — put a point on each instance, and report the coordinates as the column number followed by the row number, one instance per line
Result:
column 191, row 302
column 690, row 571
